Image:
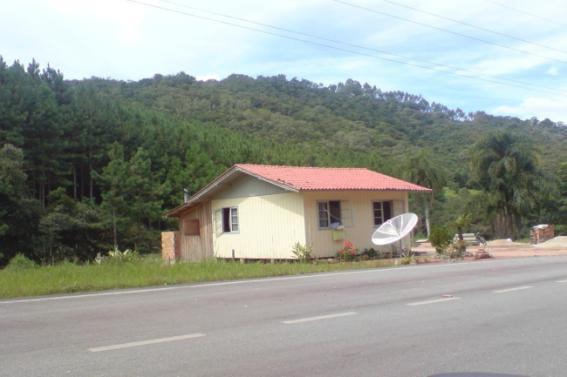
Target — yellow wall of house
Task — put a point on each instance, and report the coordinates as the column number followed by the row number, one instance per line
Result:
column 358, row 217
column 269, row 226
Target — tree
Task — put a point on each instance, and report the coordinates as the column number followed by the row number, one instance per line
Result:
column 12, row 182
column 562, row 207
column 29, row 119
column 92, row 123
column 461, row 222
column 421, row 169
column 18, row 212
column 71, row 229
column 175, row 132
column 131, row 197
column 114, row 201
column 507, row 169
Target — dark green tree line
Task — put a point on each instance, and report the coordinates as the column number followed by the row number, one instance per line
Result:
column 88, row 165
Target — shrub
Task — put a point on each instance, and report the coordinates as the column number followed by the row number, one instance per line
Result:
column 117, row 256
column 457, row 250
column 21, row 262
column 419, row 235
column 302, row 252
column 348, row 252
column 406, row 260
column 561, row 230
column 460, row 247
column 440, row 238
column 371, row 253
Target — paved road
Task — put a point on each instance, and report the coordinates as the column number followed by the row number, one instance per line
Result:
column 506, row 317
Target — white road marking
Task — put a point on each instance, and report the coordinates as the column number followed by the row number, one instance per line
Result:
column 111, row 293
column 513, row 289
column 318, row 318
column 434, row 301
column 247, row 281
column 146, row 342
column 561, row 281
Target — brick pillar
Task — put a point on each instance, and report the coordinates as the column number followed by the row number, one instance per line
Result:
column 170, row 249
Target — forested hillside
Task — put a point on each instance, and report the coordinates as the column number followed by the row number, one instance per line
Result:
column 85, row 164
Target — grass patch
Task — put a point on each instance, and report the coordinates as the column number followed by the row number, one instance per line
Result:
column 150, row 271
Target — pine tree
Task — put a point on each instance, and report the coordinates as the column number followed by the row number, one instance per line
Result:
column 562, row 205
column 18, row 213
column 131, row 197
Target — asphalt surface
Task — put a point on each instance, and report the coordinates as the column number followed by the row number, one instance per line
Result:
column 493, row 318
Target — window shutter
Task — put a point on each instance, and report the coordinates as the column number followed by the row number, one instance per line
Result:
column 234, row 226
column 218, row 222
column 388, row 210
column 377, row 214
column 398, row 208
column 335, row 212
column 346, row 214
column 323, row 214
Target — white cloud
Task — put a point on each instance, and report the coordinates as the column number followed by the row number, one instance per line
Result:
column 507, row 66
column 208, row 77
column 554, row 109
column 123, row 20
column 124, row 40
column 553, row 71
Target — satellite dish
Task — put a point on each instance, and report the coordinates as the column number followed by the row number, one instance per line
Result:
column 394, row 229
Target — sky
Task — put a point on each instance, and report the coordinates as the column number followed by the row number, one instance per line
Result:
column 496, row 59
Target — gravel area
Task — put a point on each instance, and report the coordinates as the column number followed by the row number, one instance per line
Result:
column 554, row 243
column 509, row 249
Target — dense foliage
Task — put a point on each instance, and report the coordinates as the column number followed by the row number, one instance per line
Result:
column 92, row 164
column 507, row 168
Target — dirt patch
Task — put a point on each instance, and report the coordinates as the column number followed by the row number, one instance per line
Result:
column 508, row 244
column 509, row 249
column 559, row 242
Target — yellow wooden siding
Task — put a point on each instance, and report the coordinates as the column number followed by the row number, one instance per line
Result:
column 246, row 186
column 269, row 226
column 359, row 224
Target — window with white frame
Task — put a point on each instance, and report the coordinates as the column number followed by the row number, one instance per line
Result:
column 329, row 213
column 229, row 219
column 382, row 212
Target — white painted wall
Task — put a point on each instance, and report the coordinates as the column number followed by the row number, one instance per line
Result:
column 359, row 228
column 269, row 226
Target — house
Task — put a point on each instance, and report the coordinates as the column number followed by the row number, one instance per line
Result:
column 261, row 211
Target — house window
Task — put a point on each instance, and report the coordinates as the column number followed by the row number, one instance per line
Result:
column 329, row 213
column 382, row 212
column 230, row 219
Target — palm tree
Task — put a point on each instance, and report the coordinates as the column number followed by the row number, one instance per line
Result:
column 562, row 176
column 421, row 169
column 507, row 169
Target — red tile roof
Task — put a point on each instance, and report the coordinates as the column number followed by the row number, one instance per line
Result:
column 319, row 179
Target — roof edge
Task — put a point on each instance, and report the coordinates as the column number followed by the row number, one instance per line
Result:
column 422, row 189
column 283, row 185
column 199, row 194
column 242, row 168
column 218, row 181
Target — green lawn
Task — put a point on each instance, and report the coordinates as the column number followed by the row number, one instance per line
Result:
column 150, row 271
